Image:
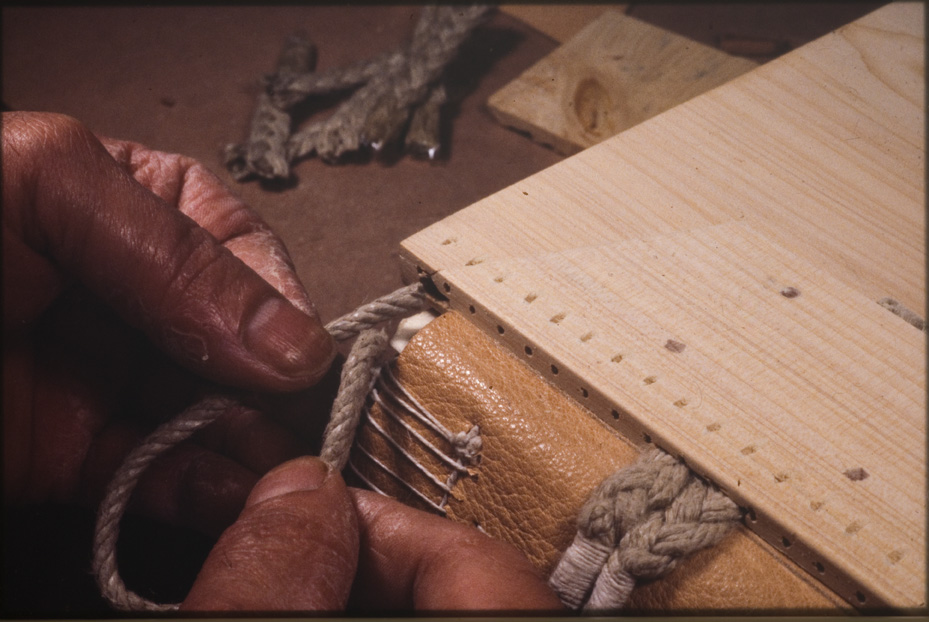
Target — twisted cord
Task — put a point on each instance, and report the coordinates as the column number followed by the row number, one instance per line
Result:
column 265, row 152
column 404, row 301
column 637, row 525
column 390, row 90
column 393, row 83
column 288, row 91
column 358, row 375
column 120, row 489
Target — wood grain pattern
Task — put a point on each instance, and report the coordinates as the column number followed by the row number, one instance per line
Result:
column 821, row 149
column 616, row 72
column 688, row 229
column 559, row 21
column 768, row 376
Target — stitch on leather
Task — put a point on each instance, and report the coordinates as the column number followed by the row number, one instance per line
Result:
column 397, row 414
column 400, row 406
column 422, row 497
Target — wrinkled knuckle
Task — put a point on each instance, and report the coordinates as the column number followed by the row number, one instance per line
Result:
column 281, row 516
column 198, row 265
column 267, row 531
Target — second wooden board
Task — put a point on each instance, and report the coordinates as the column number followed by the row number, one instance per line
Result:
column 616, row 72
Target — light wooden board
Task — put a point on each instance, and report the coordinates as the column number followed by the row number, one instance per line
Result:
column 779, row 400
column 559, row 21
column 806, row 172
column 616, row 72
column 823, row 149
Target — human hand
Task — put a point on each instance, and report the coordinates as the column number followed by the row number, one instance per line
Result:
column 106, row 241
column 109, row 248
column 304, row 542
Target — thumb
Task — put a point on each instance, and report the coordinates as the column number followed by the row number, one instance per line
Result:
column 69, row 207
column 293, row 548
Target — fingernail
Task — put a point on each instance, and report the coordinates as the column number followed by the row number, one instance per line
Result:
column 289, row 341
column 300, row 475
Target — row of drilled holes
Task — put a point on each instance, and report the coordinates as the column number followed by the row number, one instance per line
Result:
column 785, row 541
column 583, row 390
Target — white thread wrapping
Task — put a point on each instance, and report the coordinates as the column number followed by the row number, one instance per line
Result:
column 398, row 404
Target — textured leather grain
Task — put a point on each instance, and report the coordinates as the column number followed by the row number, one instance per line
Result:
column 542, row 455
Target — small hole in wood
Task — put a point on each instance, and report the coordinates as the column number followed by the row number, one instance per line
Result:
column 650, row 379
column 617, row 358
column 752, row 516
column 615, row 414
column 530, row 298
column 500, row 329
column 856, row 474
column 675, row 346
column 786, row 542
column 790, row 292
column 556, row 319
column 446, row 287
column 585, row 392
column 528, row 350
column 648, row 439
column 860, row 597
column 471, row 309
column 554, row 370
column 819, row 567
column 498, row 279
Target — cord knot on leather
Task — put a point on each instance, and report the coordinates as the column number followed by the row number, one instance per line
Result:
column 637, row 525
column 468, row 444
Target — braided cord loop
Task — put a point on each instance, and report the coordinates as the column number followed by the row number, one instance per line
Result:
column 637, row 525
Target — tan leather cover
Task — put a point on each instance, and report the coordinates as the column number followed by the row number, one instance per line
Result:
column 542, row 455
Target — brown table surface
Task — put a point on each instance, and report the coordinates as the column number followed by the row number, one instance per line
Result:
column 184, row 79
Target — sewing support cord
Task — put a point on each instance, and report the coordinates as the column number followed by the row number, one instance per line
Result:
column 358, row 375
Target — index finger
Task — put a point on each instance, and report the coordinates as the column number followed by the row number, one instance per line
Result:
column 67, row 200
column 196, row 192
